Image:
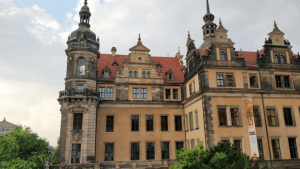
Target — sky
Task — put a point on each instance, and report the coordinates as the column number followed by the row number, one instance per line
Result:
column 33, row 35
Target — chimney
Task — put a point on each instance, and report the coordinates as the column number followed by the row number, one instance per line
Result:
column 113, row 51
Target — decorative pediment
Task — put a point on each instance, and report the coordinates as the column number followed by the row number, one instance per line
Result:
column 139, row 46
column 78, row 108
column 77, row 135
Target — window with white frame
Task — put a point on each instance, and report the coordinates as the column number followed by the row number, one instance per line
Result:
column 136, row 93
column 144, row 93
column 139, row 93
column 102, row 92
column 110, row 92
column 106, row 92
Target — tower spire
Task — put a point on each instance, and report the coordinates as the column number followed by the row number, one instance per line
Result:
column 85, row 2
column 207, row 6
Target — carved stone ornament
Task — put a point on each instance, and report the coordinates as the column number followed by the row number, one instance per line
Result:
column 77, row 135
column 78, row 108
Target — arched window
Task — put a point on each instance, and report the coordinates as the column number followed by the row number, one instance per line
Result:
column 275, row 58
column 222, row 57
column 148, row 75
column 135, row 74
column 81, row 66
column 207, row 32
column 212, row 31
column 144, row 74
column 130, row 73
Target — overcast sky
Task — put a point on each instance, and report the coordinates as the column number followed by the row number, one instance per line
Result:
column 33, row 36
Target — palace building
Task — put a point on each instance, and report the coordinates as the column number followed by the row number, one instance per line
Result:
column 136, row 110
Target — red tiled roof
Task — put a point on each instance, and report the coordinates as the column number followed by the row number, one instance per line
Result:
column 167, row 63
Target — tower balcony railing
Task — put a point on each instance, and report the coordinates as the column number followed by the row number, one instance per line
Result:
column 73, row 93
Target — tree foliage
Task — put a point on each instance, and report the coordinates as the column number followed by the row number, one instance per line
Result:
column 222, row 156
column 22, row 149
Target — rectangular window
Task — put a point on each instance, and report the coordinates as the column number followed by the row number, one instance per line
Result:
column 222, row 116
column 220, row 79
column 144, row 93
column 110, row 92
column 136, row 93
column 256, row 114
column 288, row 116
column 192, row 143
column 175, row 93
column 77, row 122
column 149, row 122
column 286, row 80
column 179, row 145
column 260, row 149
column 229, row 79
column 109, row 123
column 135, row 123
column 191, row 88
column 109, row 152
column 191, row 121
column 235, row 119
column 168, row 93
column 102, row 92
column 276, row 148
column 186, row 123
column 135, row 151
column 196, row 120
column 238, row 144
column 225, row 141
column 276, row 58
column 165, row 154
column 150, row 151
column 198, row 141
column 272, row 118
column 253, row 80
column 76, row 152
column 79, row 87
column 178, row 123
column 293, row 147
column 164, row 123
column 278, row 81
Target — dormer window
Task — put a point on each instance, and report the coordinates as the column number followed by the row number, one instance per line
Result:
column 81, row 66
column 222, row 56
column 106, row 74
column 130, row 73
column 279, row 58
column 135, row 74
column 170, row 76
column 144, row 74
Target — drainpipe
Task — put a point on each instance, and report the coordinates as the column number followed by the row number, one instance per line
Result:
column 262, row 98
column 204, row 121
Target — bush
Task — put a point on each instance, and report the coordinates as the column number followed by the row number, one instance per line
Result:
column 222, row 156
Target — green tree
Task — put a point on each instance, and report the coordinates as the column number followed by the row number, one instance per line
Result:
column 23, row 149
column 221, row 156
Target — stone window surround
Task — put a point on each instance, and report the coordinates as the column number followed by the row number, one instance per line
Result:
column 282, row 82
column 139, row 73
column 168, row 123
column 192, row 87
column 292, row 114
column 181, row 123
column 171, row 90
column 196, row 121
column 225, row 79
column 276, row 114
column 228, row 114
column 231, row 139
column 140, row 92
column 105, row 89
column 80, row 83
column 153, row 122
column 279, row 54
column 257, row 83
column 105, row 131
column 280, row 147
column 130, row 150
column 139, row 123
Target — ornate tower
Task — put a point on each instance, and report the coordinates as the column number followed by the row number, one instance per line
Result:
column 79, row 99
column 208, row 28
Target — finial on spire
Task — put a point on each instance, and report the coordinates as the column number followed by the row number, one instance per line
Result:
column 207, row 6
column 139, row 37
column 4, row 119
column 178, row 49
column 189, row 36
column 85, row 2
